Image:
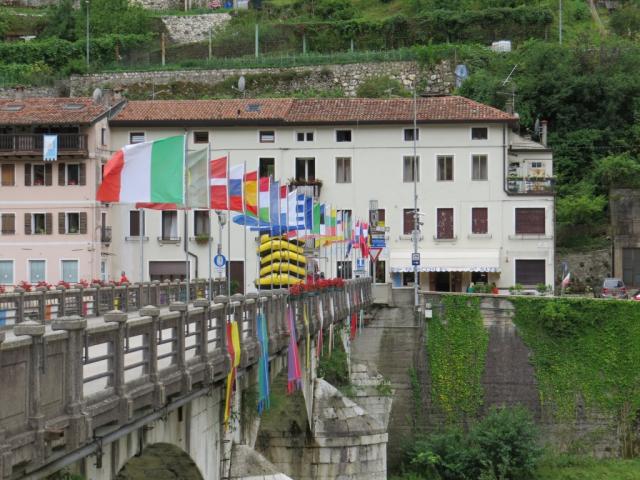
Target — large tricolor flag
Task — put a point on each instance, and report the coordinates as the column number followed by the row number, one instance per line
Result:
column 146, row 172
column 274, row 203
column 236, row 202
column 218, row 181
column 283, row 205
column 263, row 198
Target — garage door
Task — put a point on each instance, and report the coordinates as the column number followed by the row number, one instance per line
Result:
column 631, row 266
column 530, row 272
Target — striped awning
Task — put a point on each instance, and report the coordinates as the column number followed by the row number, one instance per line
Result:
column 447, row 260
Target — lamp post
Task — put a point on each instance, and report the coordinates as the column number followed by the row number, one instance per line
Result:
column 87, row 1
column 416, row 216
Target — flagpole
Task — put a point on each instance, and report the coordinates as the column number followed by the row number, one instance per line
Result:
column 258, row 217
column 186, row 221
column 141, row 233
column 228, row 228
column 244, row 230
column 210, row 246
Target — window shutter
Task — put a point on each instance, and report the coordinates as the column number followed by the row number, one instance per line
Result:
column 479, row 221
column 8, row 224
column 61, row 228
column 48, row 175
column 82, row 174
column 530, row 221
column 83, row 222
column 48, row 223
column 62, row 168
column 530, row 272
column 27, row 224
column 445, row 223
column 27, row 174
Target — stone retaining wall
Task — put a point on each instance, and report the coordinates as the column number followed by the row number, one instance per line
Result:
column 194, row 28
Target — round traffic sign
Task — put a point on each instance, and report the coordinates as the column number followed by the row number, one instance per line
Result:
column 219, row 261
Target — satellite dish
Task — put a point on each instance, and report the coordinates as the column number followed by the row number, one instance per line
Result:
column 241, row 83
column 97, row 95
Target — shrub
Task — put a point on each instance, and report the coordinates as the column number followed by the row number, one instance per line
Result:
column 381, row 87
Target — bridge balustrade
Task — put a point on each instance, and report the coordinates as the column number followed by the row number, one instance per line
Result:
column 71, row 383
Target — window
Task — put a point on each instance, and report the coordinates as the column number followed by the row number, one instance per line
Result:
column 536, row 165
column 6, row 272
column 445, row 168
column 479, row 133
column 8, row 224
column 408, row 134
column 530, row 272
column 136, row 137
column 410, row 169
column 103, row 136
column 37, row 271
column 408, row 221
column 170, row 225
column 445, row 223
column 70, row 271
column 479, row 167
column 38, row 174
column 304, row 136
column 379, row 276
column 104, row 272
column 72, row 222
column 134, row 223
column 343, row 135
column 267, row 167
column 72, row 174
column 38, row 223
column 479, row 221
column 345, row 269
column 8, row 174
column 267, row 136
column 343, row 170
column 201, row 223
column 530, row 221
column 200, row 137
column 376, row 220
column 305, row 169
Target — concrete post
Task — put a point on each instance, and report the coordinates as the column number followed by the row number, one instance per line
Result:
column 36, row 331
column 125, row 410
column 5, row 449
column 224, row 300
column 42, row 301
column 75, row 327
column 19, row 304
column 159, row 390
column 181, row 307
column 204, row 327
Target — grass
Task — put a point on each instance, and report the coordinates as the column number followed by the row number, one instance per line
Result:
column 182, row 13
column 584, row 468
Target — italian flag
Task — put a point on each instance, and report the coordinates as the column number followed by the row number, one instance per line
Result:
column 145, row 172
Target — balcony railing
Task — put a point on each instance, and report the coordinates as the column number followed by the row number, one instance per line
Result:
column 311, row 188
column 105, row 234
column 530, row 186
column 32, row 144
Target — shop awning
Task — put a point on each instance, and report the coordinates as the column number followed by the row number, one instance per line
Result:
column 449, row 260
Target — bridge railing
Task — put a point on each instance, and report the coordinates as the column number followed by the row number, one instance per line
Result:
column 44, row 305
column 63, row 387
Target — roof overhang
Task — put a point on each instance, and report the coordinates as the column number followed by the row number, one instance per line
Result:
column 447, row 260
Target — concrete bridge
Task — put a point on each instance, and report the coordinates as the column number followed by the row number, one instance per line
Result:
column 89, row 394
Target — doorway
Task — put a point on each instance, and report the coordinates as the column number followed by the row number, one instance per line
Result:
column 237, row 276
column 443, row 281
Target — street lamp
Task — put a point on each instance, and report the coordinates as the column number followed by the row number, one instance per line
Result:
column 416, row 217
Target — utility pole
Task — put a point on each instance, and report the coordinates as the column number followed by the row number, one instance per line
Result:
column 416, row 217
column 560, row 22
column 87, row 34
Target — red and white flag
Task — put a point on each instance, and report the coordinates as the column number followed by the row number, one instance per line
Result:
column 566, row 280
column 219, row 183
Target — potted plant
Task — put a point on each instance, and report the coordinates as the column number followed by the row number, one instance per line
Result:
column 202, row 239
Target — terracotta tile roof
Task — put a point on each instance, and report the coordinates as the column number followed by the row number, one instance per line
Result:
column 50, row 111
column 318, row 111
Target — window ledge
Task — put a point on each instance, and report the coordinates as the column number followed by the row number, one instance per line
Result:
column 530, row 236
column 445, row 240
column 136, row 239
column 408, row 237
column 169, row 240
column 479, row 236
column 200, row 239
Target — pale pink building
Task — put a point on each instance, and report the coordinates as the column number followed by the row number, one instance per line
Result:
column 52, row 228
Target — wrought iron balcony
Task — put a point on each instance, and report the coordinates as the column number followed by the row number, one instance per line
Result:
column 32, row 144
column 311, row 188
column 530, row 185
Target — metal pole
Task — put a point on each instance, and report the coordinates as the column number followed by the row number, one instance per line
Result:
column 244, row 234
column 416, row 217
column 257, row 40
column 87, row 34
column 210, row 240
column 228, row 229
column 186, row 221
column 141, row 233
column 210, row 42
column 560, row 21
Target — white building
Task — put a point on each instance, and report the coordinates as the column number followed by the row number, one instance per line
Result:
column 484, row 194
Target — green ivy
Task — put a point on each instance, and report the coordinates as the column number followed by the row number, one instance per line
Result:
column 457, row 347
column 585, row 351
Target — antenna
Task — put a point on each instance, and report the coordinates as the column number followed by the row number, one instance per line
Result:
column 97, row 95
column 506, row 80
column 241, row 83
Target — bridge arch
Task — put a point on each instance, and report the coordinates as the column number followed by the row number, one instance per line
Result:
column 160, row 461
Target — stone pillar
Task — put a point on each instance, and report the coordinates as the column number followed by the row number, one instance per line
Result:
column 181, row 307
column 36, row 331
column 42, row 301
column 203, row 339
column 125, row 408
column 19, row 304
column 159, row 396
column 5, row 449
column 224, row 300
column 75, row 326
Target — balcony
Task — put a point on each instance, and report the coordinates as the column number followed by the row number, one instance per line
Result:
column 311, row 188
column 530, row 186
column 105, row 234
column 32, row 144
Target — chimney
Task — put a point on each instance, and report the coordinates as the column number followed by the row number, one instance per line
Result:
column 117, row 94
column 543, row 132
column 19, row 95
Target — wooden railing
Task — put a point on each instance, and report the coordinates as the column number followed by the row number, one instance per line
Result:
column 33, row 143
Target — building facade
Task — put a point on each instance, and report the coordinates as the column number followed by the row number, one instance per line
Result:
column 485, row 194
column 52, row 227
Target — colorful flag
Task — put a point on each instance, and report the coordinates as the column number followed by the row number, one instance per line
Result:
column 283, row 205
column 300, row 217
column 145, row 172
column 218, row 182
column 291, row 209
column 251, row 193
column 308, row 215
column 323, row 220
column 274, row 205
column 236, row 202
column 197, row 188
column 263, row 198
column 316, row 220
column 339, row 225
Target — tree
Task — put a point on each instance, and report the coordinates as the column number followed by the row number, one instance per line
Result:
column 618, row 171
column 626, row 21
column 61, row 21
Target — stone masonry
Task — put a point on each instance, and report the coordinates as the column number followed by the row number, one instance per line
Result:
column 194, row 28
column 436, row 80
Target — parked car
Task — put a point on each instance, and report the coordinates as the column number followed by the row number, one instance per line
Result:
column 613, row 288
